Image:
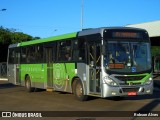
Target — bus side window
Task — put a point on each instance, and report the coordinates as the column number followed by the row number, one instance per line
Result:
column 79, row 50
column 30, row 54
column 82, row 47
column 38, row 53
column 17, row 55
column 64, row 53
column 75, row 50
column 23, row 55
column 11, row 55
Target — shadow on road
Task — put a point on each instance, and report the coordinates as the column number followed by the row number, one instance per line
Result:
column 150, row 106
column 155, row 95
column 148, row 109
column 5, row 84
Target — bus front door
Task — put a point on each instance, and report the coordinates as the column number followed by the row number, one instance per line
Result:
column 94, row 60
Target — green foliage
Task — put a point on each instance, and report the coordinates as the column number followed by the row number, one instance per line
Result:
column 155, row 50
column 9, row 36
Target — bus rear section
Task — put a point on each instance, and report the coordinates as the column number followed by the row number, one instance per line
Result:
column 13, row 64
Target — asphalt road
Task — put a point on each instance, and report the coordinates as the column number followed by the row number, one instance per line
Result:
column 16, row 99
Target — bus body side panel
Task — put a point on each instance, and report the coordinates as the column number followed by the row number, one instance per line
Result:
column 37, row 74
column 83, row 74
column 62, row 76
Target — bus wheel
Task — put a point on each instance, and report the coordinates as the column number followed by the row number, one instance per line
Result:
column 78, row 91
column 28, row 84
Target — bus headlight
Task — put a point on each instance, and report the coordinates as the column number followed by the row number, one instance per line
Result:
column 109, row 81
column 149, row 81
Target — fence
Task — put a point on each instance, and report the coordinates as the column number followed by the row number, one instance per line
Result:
column 3, row 70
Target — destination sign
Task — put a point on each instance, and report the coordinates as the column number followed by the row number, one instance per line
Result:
column 126, row 34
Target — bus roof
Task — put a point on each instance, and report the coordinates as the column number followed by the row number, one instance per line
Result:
column 71, row 35
column 100, row 30
column 13, row 45
column 54, row 38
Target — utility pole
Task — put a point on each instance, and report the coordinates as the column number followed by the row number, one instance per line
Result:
column 82, row 13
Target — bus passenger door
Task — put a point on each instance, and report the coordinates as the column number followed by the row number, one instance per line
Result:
column 94, row 61
column 49, row 56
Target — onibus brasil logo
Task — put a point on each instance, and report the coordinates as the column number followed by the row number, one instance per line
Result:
column 21, row 114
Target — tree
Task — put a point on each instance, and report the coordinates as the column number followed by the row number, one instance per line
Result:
column 10, row 36
column 5, row 36
column 20, row 37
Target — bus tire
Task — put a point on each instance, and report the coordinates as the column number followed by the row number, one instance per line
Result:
column 78, row 91
column 28, row 86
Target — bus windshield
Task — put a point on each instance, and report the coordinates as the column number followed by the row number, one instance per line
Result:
column 127, row 57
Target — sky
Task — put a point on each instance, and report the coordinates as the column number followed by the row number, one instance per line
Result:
column 46, row 18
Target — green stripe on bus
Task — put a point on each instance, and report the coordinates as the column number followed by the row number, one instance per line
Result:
column 54, row 38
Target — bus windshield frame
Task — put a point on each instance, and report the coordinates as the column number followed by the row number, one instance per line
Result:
column 127, row 52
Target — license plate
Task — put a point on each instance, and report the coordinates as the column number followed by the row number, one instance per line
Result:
column 132, row 93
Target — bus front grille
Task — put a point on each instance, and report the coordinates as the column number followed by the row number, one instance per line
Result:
column 138, row 83
column 130, row 89
column 130, row 78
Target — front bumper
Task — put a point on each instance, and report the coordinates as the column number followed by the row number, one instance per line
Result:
column 111, row 91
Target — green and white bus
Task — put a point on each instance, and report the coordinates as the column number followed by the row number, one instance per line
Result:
column 102, row 62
